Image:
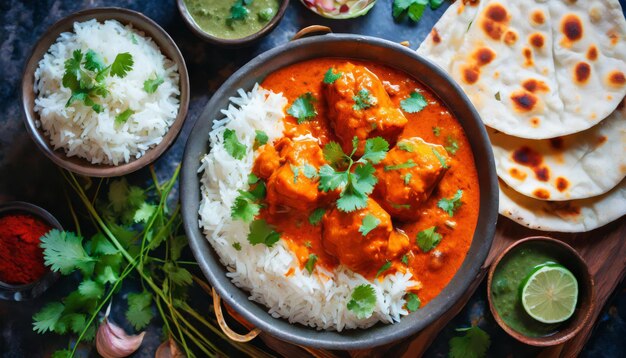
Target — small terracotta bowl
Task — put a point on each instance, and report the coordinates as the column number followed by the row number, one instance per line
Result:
column 231, row 43
column 569, row 258
column 31, row 290
column 150, row 29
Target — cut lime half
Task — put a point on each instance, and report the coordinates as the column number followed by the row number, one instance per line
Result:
column 550, row 293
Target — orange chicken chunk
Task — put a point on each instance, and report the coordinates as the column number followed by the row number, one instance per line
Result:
column 408, row 175
column 359, row 106
column 345, row 237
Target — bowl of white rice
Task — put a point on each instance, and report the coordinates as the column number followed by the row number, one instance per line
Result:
column 105, row 92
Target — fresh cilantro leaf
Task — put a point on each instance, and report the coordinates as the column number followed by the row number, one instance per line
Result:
column 399, row 206
column 296, row 172
column 413, row 302
column 245, row 208
column 76, row 96
column 428, row 239
column 260, row 138
column 333, row 153
column 363, row 178
column 375, row 150
column 46, row 319
column 101, row 245
column 407, row 178
column 139, row 311
column 62, row 353
column 436, row 131
column 435, row 4
column 441, row 159
column 64, row 252
column 363, row 100
column 107, row 276
column 452, row 146
column 308, row 244
column 331, row 179
column 310, row 263
column 72, row 65
column 416, row 10
column 151, row 85
column 70, row 81
column 253, row 179
column 258, row 191
column 414, row 103
column 351, row 200
column 309, row 171
column 302, row 108
column 360, row 184
column 405, row 260
column 237, row 246
column 124, row 116
column 178, row 276
column 330, row 77
column 363, row 301
column 408, row 164
column 233, row 146
column 383, row 268
column 262, row 233
column 316, row 216
column 370, row 222
column 406, row 146
column 97, row 108
column 122, row 64
column 451, row 205
column 177, row 244
column 93, row 61
column 144, row 213
column 75, row 321
column 91, row 289
column 474, row 344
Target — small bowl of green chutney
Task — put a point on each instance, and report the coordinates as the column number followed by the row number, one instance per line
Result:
column 232, row 23
column 540, row 291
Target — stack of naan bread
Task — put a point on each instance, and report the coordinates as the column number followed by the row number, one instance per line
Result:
column 548, row 78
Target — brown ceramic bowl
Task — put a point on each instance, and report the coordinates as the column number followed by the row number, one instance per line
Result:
column 12, row 292
column 569, row 258
column 233, row 43
column 150, row 29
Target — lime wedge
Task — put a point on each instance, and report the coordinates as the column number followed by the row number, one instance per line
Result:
column 550, row 293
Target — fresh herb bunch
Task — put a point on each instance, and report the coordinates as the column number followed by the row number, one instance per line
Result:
column 138, row 237
column 87, row 79
column 413, row 8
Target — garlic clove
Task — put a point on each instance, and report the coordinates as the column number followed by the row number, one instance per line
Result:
column 169, row 349
column 113, row 342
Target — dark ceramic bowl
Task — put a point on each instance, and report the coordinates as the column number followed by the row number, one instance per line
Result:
column 150, row 29
column 232, row 43
column 31, row 290
column 363, row 48
column 569, row 258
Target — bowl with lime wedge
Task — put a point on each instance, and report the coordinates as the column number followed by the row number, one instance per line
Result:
column 540, row 291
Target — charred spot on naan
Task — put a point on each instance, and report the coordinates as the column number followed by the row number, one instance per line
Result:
column 535, row 122
column 613, row 36
column 572, row 28
column 582, row 72
column 556, row 143
column 561, row 184
column 471, row 74
column 528, row 55
column 483, row 56
column 435, row 36
column 542, row 173
column 538, row 17
column 523, row 101
column 562, row 208
column 527, row 156
column 616, row 79
column 517, row 174
column 541, row 194
column 510, row 37
column 536, row 40
column 592, row 53
column 533, row 85
column 495, row 21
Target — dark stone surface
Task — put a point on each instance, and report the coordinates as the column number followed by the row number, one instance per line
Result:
column 27, row 175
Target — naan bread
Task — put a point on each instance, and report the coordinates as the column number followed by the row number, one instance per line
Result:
column 563, row 216
column 576, row 166
column 534, row 68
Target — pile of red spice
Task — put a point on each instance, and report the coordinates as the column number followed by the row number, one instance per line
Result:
column 21, row 258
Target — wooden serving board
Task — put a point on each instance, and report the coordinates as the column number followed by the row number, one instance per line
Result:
column 603, row 249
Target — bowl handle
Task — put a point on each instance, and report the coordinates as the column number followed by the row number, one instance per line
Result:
column 217, row 307
column 311, row 30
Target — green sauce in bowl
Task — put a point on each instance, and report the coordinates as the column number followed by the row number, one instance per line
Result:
column 509, row 275
column 232, row 19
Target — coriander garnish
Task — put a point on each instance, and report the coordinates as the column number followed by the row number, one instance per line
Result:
column 427, row 239
column 451, row 205
column 363, row 100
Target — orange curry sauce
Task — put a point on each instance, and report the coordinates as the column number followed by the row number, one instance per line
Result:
column 433, row 269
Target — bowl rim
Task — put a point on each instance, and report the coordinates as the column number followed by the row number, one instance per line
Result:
column 553, row 339
column 32, row 289
column 140, row 22
column 240, row 42
column 256, row 314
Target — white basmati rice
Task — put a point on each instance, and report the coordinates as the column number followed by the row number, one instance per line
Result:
column 82, row 132
column 318, row 300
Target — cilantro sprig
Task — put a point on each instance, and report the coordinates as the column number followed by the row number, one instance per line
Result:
column 303, row 108
column 413, row 8
column 414, row 103
column 370, row 222
column 451, row 205
column 383, row 268
column 262, row 233
column 363, row 301
column 413, row 302
column 232, row 145
column 330, row 77
column 355, row 185
column 474, row 343
column 247, row 205
column 316, row 216
column 310, row 263
column 428, row 239
column 363, row 100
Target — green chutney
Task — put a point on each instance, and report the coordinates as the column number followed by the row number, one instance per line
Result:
column 215, row 17
column 505, row 288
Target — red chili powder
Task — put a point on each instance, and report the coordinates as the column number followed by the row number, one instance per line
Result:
column 21, row 258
